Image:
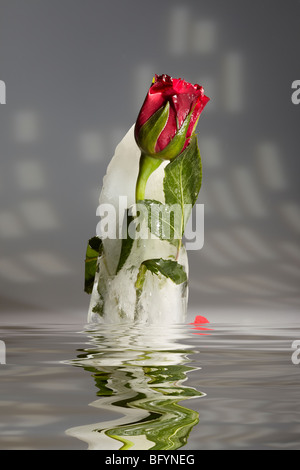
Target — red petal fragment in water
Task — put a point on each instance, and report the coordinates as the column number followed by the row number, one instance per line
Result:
column 199, row 319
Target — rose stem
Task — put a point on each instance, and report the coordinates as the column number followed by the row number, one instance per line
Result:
column 147, row 166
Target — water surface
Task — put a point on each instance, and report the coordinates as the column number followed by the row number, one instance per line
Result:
column 193, row 386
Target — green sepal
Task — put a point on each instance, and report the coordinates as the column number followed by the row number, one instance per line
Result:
column 151, row 130
column 174, row 148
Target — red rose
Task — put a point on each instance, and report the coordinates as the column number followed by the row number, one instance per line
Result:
column 170, row 113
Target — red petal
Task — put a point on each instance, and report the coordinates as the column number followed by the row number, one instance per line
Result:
column 195, row 116
column 199, row 319
column 182, row 104
column 162, row 83
column 168, row 132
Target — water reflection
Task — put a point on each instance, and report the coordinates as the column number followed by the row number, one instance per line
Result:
column 139, row 373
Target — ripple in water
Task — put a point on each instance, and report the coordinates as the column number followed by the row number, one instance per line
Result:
column 139, row 372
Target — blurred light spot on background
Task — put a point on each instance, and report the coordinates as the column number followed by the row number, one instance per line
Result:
column 290, row 213
column 270, row 166
column 223, row 198
column 10, row 225
column 39, row 215
column 30, row 175
column 179, row 31
column 26, row 127
column 12, row 270
column 211, row 151
column 232, row 82
column 46, row 263
column 143, row 75
column 227, row 244
column 247, row 192
column 253, row 243
column 204, row 36
column 91, row 147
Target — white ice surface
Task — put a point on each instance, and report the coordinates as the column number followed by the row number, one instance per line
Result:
column 161, row 300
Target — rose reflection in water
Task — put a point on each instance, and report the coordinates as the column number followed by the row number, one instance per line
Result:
column 139, row 372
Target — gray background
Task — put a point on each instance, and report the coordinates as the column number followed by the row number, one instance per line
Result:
column 76, row 74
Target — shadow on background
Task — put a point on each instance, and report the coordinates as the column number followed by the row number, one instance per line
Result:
column 76, row 75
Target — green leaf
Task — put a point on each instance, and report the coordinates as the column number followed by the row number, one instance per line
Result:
column 182, row 181
column 168, row 268
column 163, row 220
column 127, row 242
column 152, row 129
column 93, row 251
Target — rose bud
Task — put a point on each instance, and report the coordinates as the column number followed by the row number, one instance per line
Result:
column 168, row 117
column 166, row 123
